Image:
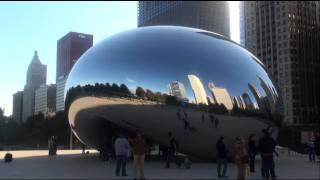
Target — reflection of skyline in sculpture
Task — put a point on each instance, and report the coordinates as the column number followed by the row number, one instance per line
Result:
column 237, row 100
column 220, row 95
column 177, row 89
column 271, row 97
column 247, row 101
column 262, row 101
column 200, row 94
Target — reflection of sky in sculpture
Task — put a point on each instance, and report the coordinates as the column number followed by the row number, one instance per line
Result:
column 154, row 57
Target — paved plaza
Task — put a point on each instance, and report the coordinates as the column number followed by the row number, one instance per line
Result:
column 73, row 165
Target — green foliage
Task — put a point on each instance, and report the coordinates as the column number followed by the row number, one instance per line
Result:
column 35, row 132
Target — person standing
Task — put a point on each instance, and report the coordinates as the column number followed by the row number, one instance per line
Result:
column 121, row 148
column 139, row 146
column 222, row 152
column 173, row 146
column 317, row 145
column 311, row 149
column 267, row 148
column 252, row 151
column 241, row 157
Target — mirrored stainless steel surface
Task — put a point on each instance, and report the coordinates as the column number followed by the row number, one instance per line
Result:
column 196, row 84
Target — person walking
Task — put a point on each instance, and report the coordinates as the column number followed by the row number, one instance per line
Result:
column 121, row 149
column 317, row 145
column 173, row 147
column 139, row 146
column 222, row 152
column 267, row 148
column 252, row 151
column 241, row 157
column 311, row 149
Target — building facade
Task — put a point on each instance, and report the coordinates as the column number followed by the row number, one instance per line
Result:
column 36, row 75
column 285, row 36
column 69, row 49
column 45, row 100
column 60, row 94
column 208, row 15
column 17, row 106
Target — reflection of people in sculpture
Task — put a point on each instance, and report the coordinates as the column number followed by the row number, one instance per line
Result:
column 185, row 114
column 202, row 117
column 211, row 118
column 179, row 115
column 216, row 122
column 186, row 124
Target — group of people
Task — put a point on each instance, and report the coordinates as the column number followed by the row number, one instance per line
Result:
column 53, row 145
column 123, row 148
column 245, row 154
column 314, row 147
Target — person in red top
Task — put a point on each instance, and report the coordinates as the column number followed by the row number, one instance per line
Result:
column 139, row 147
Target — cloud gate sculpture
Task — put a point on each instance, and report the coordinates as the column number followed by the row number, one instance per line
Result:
column 194, row 83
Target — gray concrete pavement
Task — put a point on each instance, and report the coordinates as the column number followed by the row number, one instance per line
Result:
column 73, row 165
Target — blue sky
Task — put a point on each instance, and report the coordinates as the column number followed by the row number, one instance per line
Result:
column 29, row 26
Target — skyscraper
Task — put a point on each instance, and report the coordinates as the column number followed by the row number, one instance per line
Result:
column 207, row 15
column 17, row 106
column 199, row 92
column 286, row 37
column 36, row 75
column 45, row 100
column 221, row 95
column 69, row 49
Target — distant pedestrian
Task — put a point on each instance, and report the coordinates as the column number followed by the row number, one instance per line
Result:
column 311, row 149
column 252, row 151
column 266, row 147
column 185, row 114
column 122, row 148
column 139, row 147
column 317, row 145
column 222, row 152
column 173, row 147
column 241, row 157
column 83, row 149
column 50, row 146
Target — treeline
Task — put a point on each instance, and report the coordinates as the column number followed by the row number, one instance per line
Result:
column 34, row 132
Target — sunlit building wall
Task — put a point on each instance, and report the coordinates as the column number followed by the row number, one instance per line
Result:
column 221, row 95
column 198, row 89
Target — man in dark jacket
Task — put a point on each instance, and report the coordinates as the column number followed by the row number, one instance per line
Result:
column 173, row 147
column 267, row 147
column 222, row 152
column 252, row 151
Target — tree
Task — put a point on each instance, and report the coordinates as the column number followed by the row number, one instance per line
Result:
column 140, row 92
